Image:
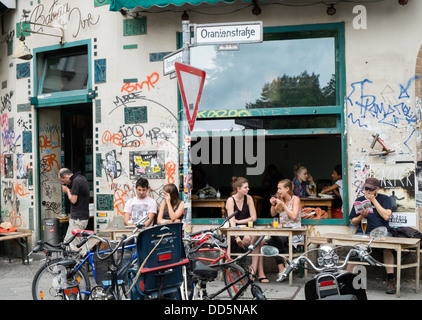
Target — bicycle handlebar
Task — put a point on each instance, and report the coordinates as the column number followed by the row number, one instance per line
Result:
column 61, row 246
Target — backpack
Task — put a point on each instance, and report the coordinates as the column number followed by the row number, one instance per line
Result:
column 406, row 232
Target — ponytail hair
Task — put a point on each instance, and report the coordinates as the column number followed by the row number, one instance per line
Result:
column 238, row 182
column 297, row 168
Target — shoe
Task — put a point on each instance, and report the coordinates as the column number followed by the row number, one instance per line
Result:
column 264, row 280
column 391, row 286
column 280, row 277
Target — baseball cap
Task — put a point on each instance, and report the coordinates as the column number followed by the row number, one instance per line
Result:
column 372, row 183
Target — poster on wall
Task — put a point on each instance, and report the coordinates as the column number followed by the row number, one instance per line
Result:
column 147, row 164
column 419, row 183
column 398, row 182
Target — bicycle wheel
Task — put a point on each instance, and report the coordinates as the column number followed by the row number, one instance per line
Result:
column 50, row 278
column 257, row 292
column 230, row 274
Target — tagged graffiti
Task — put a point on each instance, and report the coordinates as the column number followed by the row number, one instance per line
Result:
column 6, row 104
column 10, row 141
column 149, row 83
column 62, row 14
column 170, row 171
column 126, row 137
column 392, row 110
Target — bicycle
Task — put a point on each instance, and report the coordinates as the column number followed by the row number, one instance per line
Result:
column 63, row 266
column 206, row 242
column 238, row 279
column 110, row 289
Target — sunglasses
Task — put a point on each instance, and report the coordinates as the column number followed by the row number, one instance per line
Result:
column 370, row 189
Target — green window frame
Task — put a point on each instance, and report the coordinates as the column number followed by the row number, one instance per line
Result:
column 40, row 71
column 336, row 111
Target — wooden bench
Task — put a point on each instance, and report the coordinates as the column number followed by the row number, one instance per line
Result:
column 21, row 238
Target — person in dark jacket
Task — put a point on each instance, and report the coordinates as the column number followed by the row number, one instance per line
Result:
column 76, row 188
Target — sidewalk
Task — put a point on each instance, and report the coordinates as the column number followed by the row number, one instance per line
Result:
column 16, row 282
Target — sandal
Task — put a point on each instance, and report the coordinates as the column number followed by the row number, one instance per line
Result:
column 263, row 280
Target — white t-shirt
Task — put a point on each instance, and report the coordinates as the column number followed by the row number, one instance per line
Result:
column 139, row 208
column 340, row 187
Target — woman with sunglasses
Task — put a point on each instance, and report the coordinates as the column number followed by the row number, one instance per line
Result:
column 380, row 215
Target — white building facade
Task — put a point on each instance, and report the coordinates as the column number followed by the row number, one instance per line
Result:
column 322, row 89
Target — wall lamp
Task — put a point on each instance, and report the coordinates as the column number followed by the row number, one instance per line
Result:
column 22, row 51
column 331, row 10
column 256, row 10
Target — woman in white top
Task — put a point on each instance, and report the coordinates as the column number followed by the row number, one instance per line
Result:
column 287, row 207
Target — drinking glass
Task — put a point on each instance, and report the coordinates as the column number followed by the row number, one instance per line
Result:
column 363, row 225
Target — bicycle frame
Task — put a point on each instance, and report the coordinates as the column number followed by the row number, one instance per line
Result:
column 91, row 262
column 232, row 284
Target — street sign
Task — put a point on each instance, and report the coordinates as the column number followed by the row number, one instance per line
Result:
column 191, row 82
column 228, row 33
column 170, row 59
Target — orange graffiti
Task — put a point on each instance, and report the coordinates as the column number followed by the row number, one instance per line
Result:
column 119, row 200
column 115, row 138
column 14, row 219
column 150, row 82
column 170, row 171
column 19, row 190
column 48, row 161
column 47, row 142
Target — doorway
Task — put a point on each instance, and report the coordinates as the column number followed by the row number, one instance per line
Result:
column 65, row 140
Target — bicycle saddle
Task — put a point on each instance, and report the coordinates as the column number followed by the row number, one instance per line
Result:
column 205, row 272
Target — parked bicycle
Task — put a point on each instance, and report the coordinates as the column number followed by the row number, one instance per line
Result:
column 237, row 279
column 207, row 249
column 63, row 267
column 331, row 282
column 112, row 288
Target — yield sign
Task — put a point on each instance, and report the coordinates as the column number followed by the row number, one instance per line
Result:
column 191, row 82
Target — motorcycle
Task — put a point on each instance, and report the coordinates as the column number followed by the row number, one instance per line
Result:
column 332, row 282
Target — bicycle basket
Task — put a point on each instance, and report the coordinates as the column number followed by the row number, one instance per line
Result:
column 102, row 265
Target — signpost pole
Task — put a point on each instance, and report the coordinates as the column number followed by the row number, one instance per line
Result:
column 187, row 170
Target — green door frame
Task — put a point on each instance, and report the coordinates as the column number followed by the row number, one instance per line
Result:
column 57, row 99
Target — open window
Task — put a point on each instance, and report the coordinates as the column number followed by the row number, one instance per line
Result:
column 288, row 88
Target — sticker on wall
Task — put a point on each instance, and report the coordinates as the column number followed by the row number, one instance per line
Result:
column 397, row 181
column 8, row 166
column 147, row 164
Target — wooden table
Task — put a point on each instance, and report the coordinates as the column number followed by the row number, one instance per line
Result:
column 21, row 238
column 116, row 233
column 211, row 203
column 395, row 243
column 257, row 231
column 318, row 202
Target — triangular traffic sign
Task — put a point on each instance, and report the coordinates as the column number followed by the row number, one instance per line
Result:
column 191, row 82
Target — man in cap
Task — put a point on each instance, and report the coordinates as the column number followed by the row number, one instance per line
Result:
column 377, row 217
